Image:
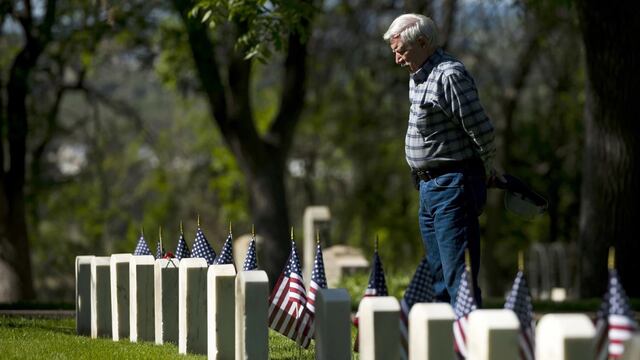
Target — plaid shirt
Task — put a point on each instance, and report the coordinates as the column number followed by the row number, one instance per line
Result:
column 446, row 120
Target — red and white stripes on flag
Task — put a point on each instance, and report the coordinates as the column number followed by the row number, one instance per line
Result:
column 616, row 321
column 318, row 281
column 288, row 299
column 519, row 300
column 465, row 304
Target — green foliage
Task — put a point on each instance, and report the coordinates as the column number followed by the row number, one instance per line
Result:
column 263, row 26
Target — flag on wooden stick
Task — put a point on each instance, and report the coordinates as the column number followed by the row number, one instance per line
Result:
column 616, row 320
column 202, row 248
column 226, row 254
column 420, row 289
column 519, row 300
column 141, row 247
column 465, row 304
column 288, row 298
column 377, row 286
column 182, row 251
column 318, row 281
column 251, row 259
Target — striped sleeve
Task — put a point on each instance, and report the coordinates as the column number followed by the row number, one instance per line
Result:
column 462, row 96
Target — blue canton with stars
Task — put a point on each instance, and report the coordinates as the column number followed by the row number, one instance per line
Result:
column 182, row 251
column 202, row 249
column 293, row 265
column 226, row 254
column 251, row 259
column 142, row 248
column 317, row 274
column 465, row 303
column 420, row 288
column 377, row 285
column 519, row 300
column 159, row 251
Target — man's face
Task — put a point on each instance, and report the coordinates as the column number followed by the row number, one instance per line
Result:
column 409, row 55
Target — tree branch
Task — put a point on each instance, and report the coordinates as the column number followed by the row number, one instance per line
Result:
column 448, row 21
column 206, row 64
column 293, row 94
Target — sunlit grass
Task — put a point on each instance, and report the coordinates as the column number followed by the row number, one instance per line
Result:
column 39, row 338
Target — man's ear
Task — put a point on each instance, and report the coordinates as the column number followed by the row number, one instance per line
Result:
column 422, row 42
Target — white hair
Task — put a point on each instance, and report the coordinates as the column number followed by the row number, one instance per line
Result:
column 410, row 27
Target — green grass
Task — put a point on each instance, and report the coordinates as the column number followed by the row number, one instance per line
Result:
column 39, row 338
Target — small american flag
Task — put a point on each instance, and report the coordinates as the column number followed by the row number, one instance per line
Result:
column 465, row 304
column 141, row 247
column 377, row 286
column 182, row 251
column 318, row 281
column 226, row 254
column 288, row 299
column 519, row 300
column 159, row 250
column 615, row 322
column 202, row 249
column 420, row 289
column 251, row 259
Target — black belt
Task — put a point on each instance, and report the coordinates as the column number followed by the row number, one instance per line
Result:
column 464, row 166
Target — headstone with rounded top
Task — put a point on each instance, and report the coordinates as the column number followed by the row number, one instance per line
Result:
column 166, row 300
column 83, row 294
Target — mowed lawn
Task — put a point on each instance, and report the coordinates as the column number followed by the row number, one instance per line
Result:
column 43, row 338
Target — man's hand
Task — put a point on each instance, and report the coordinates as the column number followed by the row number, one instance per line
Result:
column 415, row 179
column 496, row 179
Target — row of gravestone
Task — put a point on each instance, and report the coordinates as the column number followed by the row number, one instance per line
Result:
column 212, row 310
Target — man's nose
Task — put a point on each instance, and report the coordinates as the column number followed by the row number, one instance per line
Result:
column 398, row 59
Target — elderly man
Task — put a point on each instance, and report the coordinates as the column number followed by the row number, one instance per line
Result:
column 449, row 147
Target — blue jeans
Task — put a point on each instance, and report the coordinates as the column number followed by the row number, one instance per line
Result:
column 449, row 208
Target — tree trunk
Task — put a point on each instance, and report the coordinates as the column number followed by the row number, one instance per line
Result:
column 269, row 212
column 611, row 175
column 16, row 282
column 261, row 158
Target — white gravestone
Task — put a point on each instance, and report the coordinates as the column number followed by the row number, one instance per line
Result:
column 221, row 307
column 141, row 301
column 493, row 335
column 312, row 214
column 83, row 294
column 166, row 300
column 101, row 297
column 333, row 325
column 430, row 335
column 565, row 337
column 379, row 328
column 119, row 268
column 192, row 306
column 632, row 348
column 252, row 330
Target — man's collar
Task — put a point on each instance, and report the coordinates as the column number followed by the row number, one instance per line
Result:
column 421, row 74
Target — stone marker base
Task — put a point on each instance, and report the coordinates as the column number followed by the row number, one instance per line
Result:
column 379, row 328
column 165, row 292
column 333, row 325
column 493, row 335
column 192, row 306
column 221, row 306
column 119, row 276
column 141, row 302
column 565, row 337
column 430, row 335
column 252, row 329
column 83, row 294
